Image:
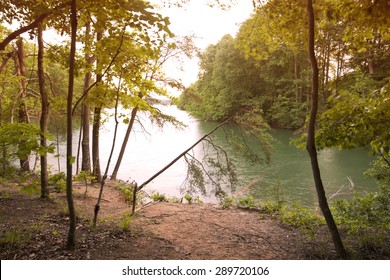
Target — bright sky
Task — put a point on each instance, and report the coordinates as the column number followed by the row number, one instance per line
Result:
column 207, row 24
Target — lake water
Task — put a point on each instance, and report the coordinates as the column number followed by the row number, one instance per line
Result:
column 289, row 170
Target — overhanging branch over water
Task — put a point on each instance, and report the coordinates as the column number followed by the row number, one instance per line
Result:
column 181, row 155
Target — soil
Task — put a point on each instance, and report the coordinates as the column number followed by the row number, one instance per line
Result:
column 35, row 228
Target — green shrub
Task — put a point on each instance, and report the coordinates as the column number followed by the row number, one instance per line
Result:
column 125, row 221
column 371, row 211
column 271, row 207
column 159, row 197
column 246, row 202
column 226, row 201
column 127, row 190
column 58, row 180
column 304, row 219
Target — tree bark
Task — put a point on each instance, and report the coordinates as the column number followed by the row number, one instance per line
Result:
column 311, row 146
column 44, row 112
column 69, row 159
column 96, row 126
column 85, row 151
column 96, row 172
column 22, row 108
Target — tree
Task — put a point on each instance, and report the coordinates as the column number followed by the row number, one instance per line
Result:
column 311, row 145
column 23, row 116
column 69, row 127
column 44, row 113
column 152, row 73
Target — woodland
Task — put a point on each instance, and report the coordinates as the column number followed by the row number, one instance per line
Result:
column 320, row 68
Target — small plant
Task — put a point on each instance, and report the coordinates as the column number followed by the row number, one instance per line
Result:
column 126, row 189
column 188, row 197
column 84, row 177
column 226, row 201
column 193, row 199
column 159, row 197
column 13, row 238
column 246, row 202
column 125, row 221
column 32, row 188
column 299, row 217
column 271, row 207
column 58, row 180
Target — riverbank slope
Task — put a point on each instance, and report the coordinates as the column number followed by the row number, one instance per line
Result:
column 32, row 228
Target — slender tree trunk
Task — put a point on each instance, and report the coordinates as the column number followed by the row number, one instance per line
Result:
column 124, row 143
column 311, row 146
column 96, row 172
column 69, row 159
column 96, row 126
column 44, row 112
column 102, row 182
column 22, row 108
column 85, row 151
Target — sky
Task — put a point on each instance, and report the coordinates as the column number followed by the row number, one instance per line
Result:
column 208, row 24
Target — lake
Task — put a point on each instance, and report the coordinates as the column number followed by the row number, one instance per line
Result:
column 150, row 148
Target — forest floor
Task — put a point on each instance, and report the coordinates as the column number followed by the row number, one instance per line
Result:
column 35, row 228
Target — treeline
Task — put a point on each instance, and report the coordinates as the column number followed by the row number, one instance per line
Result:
column 266, row 64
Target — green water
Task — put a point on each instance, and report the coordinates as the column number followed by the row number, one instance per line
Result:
column 289, row 171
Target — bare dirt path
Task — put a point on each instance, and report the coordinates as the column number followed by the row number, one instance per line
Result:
column 158, row 231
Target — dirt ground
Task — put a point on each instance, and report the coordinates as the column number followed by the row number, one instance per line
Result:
column 33, row 228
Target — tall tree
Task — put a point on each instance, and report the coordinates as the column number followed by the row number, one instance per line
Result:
column 85, row 119
column 69, row 127
column 311, row 145
column 44, row 113
column 23, row 116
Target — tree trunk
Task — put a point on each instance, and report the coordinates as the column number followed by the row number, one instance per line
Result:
column 22, row 108
column 124, row 143
column 69, row 159
column 96, row 126
column 44, row 113
column 311, row 146
column 85, row 151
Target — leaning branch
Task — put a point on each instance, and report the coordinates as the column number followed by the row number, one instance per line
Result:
column 31, row 26
column 182, row 154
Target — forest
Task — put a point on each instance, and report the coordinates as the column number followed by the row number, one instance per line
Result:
column 320, row 68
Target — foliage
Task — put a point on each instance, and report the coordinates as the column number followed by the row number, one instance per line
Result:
column 158, row 197
column 364, row 212
column 14, row 238
column 127, row 190
column 58, row 180
column 192, row 199
column 32, row 188
column 246, row 202
column 366, row 218
column 357, row 119
column 85, row 177
column 380, row 170
column 125, row 221
column 21, row 139
column 302, row 218
column 226, row 201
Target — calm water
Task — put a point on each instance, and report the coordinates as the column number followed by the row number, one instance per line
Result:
column 289, row 169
